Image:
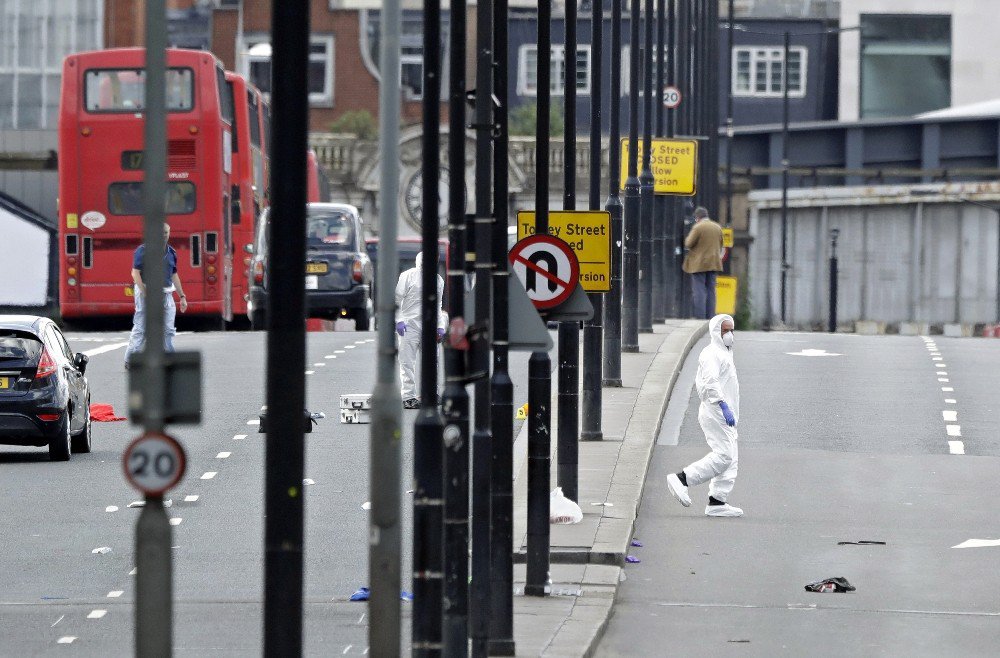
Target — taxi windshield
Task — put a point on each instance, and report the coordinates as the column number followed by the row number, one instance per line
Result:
column 330, row 230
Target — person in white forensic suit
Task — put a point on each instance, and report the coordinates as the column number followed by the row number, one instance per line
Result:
column 409, row 327
column 718, row 414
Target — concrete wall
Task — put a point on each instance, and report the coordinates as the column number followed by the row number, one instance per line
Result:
column 36, row 189
column 24, row 262
column 975, row 56
column 903, row 257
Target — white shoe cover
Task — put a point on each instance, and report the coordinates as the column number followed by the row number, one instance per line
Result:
column 723, row 510
column 678, row 490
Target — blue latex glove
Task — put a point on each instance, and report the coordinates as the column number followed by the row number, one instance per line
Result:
column 400, row 328
column 728, row 414
column 440, row 333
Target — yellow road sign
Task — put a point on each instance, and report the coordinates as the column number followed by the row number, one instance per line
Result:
column 674, row 163
column 588, row 233
column 725, row 294
column 727, row 238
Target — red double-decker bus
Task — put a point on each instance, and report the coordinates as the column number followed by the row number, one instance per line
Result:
column 249, row 179
column 101, row 161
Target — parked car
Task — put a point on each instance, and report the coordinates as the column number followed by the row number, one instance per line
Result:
column 44, row 394
column 338, row 273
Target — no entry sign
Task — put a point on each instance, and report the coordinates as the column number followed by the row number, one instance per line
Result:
column 154, row 463
column 547, row 267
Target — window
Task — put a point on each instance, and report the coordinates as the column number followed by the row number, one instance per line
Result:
column 411, row 71
column 905, row 64
column 124, row 90
column 626, row 69
column 126, row 198
column 257, row 67
column 759, row 71
column 527, row 70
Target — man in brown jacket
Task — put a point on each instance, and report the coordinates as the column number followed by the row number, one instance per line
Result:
column 703, row 261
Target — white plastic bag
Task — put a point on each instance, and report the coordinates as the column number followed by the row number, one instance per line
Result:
column 562, row 510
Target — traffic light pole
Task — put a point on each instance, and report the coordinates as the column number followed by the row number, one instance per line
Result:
column 594, row 328
column 285, row 453
column 537, row 581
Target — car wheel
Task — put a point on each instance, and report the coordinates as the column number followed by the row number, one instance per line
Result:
column 362, row 319
column 59, row 445
column 82, row 442
column 257, row 320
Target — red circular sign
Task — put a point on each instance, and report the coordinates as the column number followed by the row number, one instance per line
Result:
column 551, row 285
column 154, row 463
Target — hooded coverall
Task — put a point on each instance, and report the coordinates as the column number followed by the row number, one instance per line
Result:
column 716, row 382
column 408, row 296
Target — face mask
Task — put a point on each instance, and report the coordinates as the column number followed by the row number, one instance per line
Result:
column 728, row 339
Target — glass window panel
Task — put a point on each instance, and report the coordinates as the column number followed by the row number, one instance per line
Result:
column 260, row 74
column 52, row 89
column 29, row 101
column 411, row 77
column 583, row 70
column 124, row 90
column 317, row 77
column 126, row 198
column 7, row 109
column 530, row 70
column 30, row 39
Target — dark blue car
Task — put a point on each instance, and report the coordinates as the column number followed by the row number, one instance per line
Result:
column 44, row 395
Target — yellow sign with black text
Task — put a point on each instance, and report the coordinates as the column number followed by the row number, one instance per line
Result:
column 725, row 294
column 588, row 233
column 727, row 238
column 674, row 163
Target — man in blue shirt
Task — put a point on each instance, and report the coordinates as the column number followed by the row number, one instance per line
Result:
column 171, row 284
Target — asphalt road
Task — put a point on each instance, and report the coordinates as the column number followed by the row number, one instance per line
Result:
column 56, row 592
column 896, row 440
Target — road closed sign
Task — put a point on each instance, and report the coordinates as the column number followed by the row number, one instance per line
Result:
column 588, row 233
column 674, row 163
column 548, row 269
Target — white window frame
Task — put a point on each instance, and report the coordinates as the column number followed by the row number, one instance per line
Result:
column 412, row 58
column 558, row 63
column 316, row 99
column 626, row 76
column 767, row 57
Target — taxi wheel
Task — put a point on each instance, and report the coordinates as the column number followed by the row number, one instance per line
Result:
column 59, row 445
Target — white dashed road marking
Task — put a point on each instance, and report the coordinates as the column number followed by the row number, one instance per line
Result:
column 176, row 521
column 239, row 437
column 347, row 648
column 97, row 614
column 338, row 351
column 190, row 499
column 950, row 401
column 956, row 447
column 310, row 372
column 947, row 389
column 115, row 594
column 950, row 416
column 57, row 621
column 223, row 455
column 978, row 543
column 105, row 348
column 209, row 475
column 69, row 639
column 253, row 421
column 954, row 430
column 110, row 508
column 134, row 571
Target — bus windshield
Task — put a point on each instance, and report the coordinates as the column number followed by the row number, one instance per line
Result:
column 124, row 90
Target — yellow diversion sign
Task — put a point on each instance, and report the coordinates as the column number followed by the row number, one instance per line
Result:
column 674, row 163
column 588, row 233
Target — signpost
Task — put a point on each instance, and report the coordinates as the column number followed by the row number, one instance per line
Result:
column 671, row 97
column 674, row 162
column 547, row 267
column 588, row 233
column 154, row 463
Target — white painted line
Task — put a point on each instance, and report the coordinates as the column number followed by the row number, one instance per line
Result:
column 69, row 639
column 346, row 649
column 176, row 521
column 365, row 652
column 956, row 447
column 950, row 416
column 115, row 594
column 190, row 499
column 338, row 351
column 950, row 401
column 239, row 437
column 330, row 356
column 254, row 421
column 97, row 614
column 943, row 372
column 223, row 455
column 319, row 365
column 940, row 365
column 310, row 372
column 978, row 543
column 105, row 348
column 362, row 619
column 937, row 358
column 349, row 347
column 954, row 430
column 110, row 508
column 209, row 475
column 57, row 621
column 943, row 380
column 947, row 389
column 134, row 571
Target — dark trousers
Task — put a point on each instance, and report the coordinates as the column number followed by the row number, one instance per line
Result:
column 703, row 294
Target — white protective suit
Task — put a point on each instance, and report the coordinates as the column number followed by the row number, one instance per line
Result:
column 716, row 382
column 408, row 296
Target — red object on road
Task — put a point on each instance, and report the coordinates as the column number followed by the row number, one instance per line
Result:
column 104, row 413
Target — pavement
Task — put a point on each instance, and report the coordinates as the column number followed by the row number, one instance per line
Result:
column 587, row 558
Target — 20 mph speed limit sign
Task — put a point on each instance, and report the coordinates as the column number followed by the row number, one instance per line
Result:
column 154, row 463
column 671, row 97
column 547, row 267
